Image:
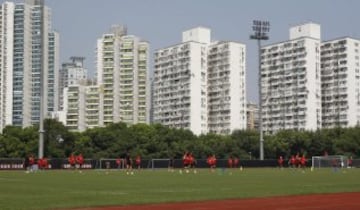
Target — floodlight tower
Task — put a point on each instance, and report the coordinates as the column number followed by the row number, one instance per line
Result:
column 260, row 29
column 43, row 85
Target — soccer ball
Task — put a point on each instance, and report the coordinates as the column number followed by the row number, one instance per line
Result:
column 180, row 172
column 132, row 173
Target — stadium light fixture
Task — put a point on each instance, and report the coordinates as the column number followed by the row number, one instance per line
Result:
column 261, row 30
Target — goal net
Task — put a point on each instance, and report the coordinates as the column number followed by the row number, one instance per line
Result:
column 158, row 163
column 329, row 161
column 111, row 163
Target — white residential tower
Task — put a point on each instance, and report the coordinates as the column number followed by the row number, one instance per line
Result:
column 200, row 85
column 291, row 81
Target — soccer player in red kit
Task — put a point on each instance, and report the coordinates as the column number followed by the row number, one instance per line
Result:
column 230, row 162
column 72, row 161
column 185, row 161
column 212, row 162
column 303, row 162
column 350, row 162
column 40, row 163
column 281, row 162
column 31, row 163
column 45, row 163
column 138, row 161
column 80, row 161
column 129, row 164
column 192, row 162
column 118, row 163
column 209, row 161
column 297, row 160
column 236, row 162
column 292, row 161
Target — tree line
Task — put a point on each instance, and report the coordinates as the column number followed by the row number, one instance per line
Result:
column 158, row 141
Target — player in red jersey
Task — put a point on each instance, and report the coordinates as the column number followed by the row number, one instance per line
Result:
column 118, row 162
column 187, row 161
column 212, row 162
column 230, row 162
column 129, row 164
column 209, row 161
column 42, row 163
column 192, row 162
column 292, row 161
column 281, row 162
column 303, row 162
column 72, row 161
column 350, row 162
column 79, row 161
column 31, row 163
column 45, row 163
column 138, row 161
column 297, row 160
column 236, row 162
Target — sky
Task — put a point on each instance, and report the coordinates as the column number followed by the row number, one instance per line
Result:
column 161, row 22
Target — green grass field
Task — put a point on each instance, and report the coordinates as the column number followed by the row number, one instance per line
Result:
column 64, row 189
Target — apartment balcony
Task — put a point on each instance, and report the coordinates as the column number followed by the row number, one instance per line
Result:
column 72, row 120
column 108, row 50
column 92, row 102
column 92, row 108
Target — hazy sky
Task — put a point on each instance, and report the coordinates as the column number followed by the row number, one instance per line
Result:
column 161, row 22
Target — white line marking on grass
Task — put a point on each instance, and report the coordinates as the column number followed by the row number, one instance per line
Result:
column 175, row 191
column 99, row 192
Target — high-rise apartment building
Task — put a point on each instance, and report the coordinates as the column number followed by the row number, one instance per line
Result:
column 71, row 73
column 74, row 107
column 180, row 83
column 200, row 85
column 340, row 82
column 6, row 63
column 82, row 107
column 122, row 72
column 226, row 87
column 53, row 75
column 31, row 50
column 291, row 81
column 93, row 105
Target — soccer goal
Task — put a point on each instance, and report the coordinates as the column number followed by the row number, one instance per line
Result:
column 110, row 163
column 158, row 163
column 329, row 161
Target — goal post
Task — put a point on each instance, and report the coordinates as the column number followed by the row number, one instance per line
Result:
column 329, row 161
column 159, row 163
column 111, row 163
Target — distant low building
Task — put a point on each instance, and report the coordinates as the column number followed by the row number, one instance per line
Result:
column 71, row 73
column 252, row 116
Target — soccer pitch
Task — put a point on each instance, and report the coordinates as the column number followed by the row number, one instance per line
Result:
column 67, row 189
